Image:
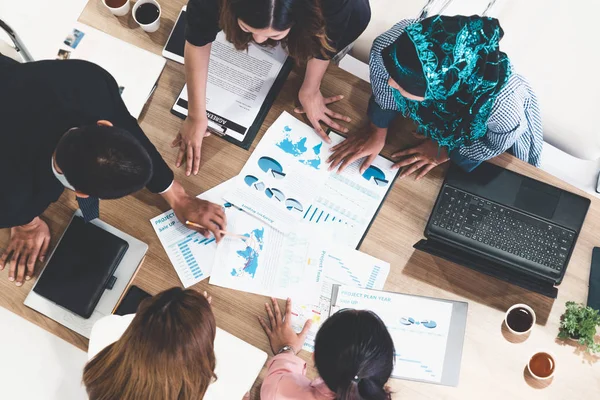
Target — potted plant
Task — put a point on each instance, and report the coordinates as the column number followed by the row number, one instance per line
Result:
column 579, row 323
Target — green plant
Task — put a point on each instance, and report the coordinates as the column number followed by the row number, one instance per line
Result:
column 579, row 322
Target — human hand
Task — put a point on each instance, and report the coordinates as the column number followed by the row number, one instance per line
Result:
column 423, row 158
column 314, row 105
column 356, row 147
column 189, row 140
column 28, row 243
column 280, row 332
column 209, row 215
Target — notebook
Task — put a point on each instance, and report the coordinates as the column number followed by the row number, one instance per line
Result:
column 80, row 268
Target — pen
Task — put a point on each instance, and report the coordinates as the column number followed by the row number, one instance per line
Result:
column 190, row 223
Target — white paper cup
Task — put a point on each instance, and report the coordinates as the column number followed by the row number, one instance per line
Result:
column 120, row 11
column 542, row 378
column 525, row 306
column 152, row 27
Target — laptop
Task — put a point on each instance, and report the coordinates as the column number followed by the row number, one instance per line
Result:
column 505, row 225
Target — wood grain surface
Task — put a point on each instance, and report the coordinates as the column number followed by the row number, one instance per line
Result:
column 493, row 362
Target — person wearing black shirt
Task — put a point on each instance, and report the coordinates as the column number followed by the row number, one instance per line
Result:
column 64, row 124
column 311, row 30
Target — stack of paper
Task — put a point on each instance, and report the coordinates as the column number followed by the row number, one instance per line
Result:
column 301, row 222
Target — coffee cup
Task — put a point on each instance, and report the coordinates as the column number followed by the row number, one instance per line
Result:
column 117, row 7
column 520, row 319
column 147, row 14
column 542, row 365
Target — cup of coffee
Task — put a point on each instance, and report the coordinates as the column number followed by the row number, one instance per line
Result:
column 542, row 365
column 147, row 14
column 117, row 7
column 520, row 319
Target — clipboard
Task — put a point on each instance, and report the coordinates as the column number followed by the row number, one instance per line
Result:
column 220, row 124
column 410, row 323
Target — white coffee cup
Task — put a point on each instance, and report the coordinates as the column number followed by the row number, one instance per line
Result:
column 119, row 11
column 153, row 26
column 547, row 359
column 524, row 307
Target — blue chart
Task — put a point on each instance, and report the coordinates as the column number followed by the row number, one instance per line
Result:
column 316, row 215
column 253, row 181
column 298, row 149
column 275, row 193
column 294, row 205
column 425, row 368
column 268, row 164
column 376, row 176
column 193, row 239
column 249, row 255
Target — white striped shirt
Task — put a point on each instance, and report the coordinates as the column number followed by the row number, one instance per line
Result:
column 514, row 124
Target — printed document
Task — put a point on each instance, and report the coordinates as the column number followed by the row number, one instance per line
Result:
column 238, row 83
column 268, row 262
column 348, row 202
column 337, row 265
column 191, row 254
column 283, row 175
column 419, row 327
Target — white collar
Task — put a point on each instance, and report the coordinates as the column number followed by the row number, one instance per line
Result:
column 61, row 178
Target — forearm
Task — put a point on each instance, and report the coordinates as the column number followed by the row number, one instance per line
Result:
column 315, row 70
column 196, row 73
column 174, row 194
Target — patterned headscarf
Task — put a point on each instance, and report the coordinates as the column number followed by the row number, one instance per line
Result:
column 462, row 72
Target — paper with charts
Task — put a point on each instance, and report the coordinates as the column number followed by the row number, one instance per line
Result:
column 191, row 254
column 348, row 202
column 283, row 174
column 419, row 327
column 342, row 266
column 268, row 263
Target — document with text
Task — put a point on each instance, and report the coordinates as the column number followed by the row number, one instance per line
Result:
column 238, row 84
column 283, row 175
column 337, row 265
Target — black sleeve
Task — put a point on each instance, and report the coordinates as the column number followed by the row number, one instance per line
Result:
column 162, row 175
column 202, row 25
column 345, row 21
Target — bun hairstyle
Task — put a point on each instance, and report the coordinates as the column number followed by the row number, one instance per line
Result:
column 307, row 37
column 354, row 355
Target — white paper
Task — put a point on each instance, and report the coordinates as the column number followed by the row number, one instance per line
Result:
column 191, row 254
column 135, row 70
column 283, row 175
column 270, row 263
column 342, row 266
column 41, row 24
column 419, row 327
column 348, row 202
column 238, row 83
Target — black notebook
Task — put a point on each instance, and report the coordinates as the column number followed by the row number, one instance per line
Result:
column 80, row 268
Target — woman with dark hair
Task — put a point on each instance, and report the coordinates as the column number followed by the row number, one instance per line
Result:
column 354, row 355
column 448, row 75
column 164, row 352
column 312, row 31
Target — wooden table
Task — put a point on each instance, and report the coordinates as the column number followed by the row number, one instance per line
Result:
column 493, row 362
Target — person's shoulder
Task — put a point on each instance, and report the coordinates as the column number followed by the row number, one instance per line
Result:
column 388, row 37
column 106, row 331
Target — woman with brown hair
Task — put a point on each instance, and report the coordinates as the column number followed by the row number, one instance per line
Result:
column 312, row 31
column 164, row 352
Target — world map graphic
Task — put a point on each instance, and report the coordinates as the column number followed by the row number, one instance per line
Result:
column 250, row 255
column 298, row 149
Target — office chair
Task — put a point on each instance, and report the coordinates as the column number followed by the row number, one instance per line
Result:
column 18, row 45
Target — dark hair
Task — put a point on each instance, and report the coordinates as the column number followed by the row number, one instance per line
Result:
column 166, row 353
column 354, row 355
column 103, row 161
column 307, row 37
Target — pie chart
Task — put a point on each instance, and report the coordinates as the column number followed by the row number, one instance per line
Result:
column 252, row 181
column 270, row 164
column 294, row 205
column 375, row 175
column 275, row 193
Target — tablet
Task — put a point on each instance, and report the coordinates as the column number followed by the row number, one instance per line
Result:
column 175, row 46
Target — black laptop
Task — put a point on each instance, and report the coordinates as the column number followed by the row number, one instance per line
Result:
column 505, row 225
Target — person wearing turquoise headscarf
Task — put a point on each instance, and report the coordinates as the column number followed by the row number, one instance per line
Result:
column 449, row 77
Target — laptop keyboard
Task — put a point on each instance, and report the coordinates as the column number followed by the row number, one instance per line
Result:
column 502, row 228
